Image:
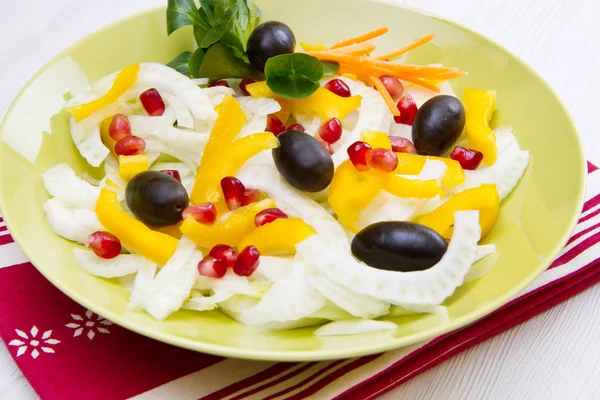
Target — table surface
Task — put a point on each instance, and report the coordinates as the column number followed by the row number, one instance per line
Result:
column 553, row 356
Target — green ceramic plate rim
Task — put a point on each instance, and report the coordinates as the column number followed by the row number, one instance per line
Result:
column 314, row 355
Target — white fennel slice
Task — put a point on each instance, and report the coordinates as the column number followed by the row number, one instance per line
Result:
column 187, row 175
column 357, row 304
column 199, row 302
column 420, row 94
column 257, row 124
column 174, row 282
column 181, row 140
column 189, row 158
column 331, row 312
column 121, row 265
column 387, row 207
column 74, row 224
column 258, row 106
column 355, row 327
column 274, row 269
column 143, row 125
column 61, row 182
column 111, row 172
column 230, row 283
column 432, row 169
column 401, row 130
column 92, row 148
column 487, row 256
column 292, row 201
column 216, row 94
column 428, row 287
column 182, row 114
column 142, row 286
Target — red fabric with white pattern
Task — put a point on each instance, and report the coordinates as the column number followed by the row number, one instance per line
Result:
column 66, row 351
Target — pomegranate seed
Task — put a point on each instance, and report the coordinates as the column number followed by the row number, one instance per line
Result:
column 383, row 159
column 104, row 244
column 218, row 83
column 393, row 86
column 225, row 253
column 247, row 261
column 327, row 147
column 233, row 190
column 408, row 110
column 250, row 196
column 468, row 158
column 119, row 127
column 331, row 131
column 205, row 213
column 274, row 125
column 359, row 155
column 402, row 145
column 296, row 127
column 269, row 215
column 212, row 267
column 173, row 172
column 153, row 102
column 245, row 82
column 338, row 87
column 130, row 146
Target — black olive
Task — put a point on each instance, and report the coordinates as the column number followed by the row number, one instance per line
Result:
column 399, row 246
column 156, row 198
column 438, row 125
column 269, row 39
column 303, row 161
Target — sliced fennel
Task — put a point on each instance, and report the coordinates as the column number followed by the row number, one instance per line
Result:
column 62, row 183
column 74, row 224
column 355, row 327
column 182, row 114
column 123, row 264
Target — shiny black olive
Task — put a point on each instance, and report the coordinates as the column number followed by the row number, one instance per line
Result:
column 269, row 39
column 438, row 125
column 303, row 161
column 399, row 246
column 156, row 198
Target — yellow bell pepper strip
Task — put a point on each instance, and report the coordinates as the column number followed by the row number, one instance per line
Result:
column 484, row 198
column 286, row 110
column 278, row 237
column 403, row 187
column 207, row 186
column 230, row 231
column 229, row 124
column 479, row 107
column 377, row 140
column 155, row 246
column 171, row 230
column 123, row 82
column 351, row 191
column 105, row 136
column 312, row 46
column 412, row 164
column 130, row 166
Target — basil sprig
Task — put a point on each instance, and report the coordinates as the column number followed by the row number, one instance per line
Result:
column 294, row 76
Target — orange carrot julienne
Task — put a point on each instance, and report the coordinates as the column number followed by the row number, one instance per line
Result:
column 361, row 38
column 356, row 49
column 406, row 49
column 386, row 95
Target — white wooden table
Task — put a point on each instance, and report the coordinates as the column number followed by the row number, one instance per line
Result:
column 553, row 356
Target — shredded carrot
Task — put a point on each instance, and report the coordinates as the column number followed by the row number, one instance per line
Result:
column 386, row 95
column 357, row 49
column 406, row 49
column 361, row 38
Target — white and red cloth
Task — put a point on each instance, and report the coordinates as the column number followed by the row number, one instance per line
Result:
column 67, row 352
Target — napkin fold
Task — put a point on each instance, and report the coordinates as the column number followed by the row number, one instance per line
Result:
column 68, row 352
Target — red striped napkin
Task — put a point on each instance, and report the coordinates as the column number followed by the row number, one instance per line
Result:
column 68, row 352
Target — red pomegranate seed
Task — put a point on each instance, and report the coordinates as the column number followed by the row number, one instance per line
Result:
column 468, row 158
column 331, row 131
column 296, row 127
column 327, row 147
column 119, row 127
column 218, row 83
column 173, row 172
column 245, row 82
column 250, row 196
column 393, row 86
column 104, row 244
column 205, row 213
column 153, row 102
column 383, row 159
column 359, row 155
column 338, row 87
column 408, row 110
column 269, row 215
column 233, row 190
column 402, row 145
column 274, row 125
column 130, row 146
column 225, row 253
column 247, row 261
column 212, row 267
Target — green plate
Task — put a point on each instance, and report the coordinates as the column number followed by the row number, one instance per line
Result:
column 535, row 220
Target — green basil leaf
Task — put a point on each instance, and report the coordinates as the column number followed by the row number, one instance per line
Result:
column 181, row 13
column 219, row 63
column 180, row 63
column 330, row 67
column 219, row 28
column 195, row 61
column 294, row 75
